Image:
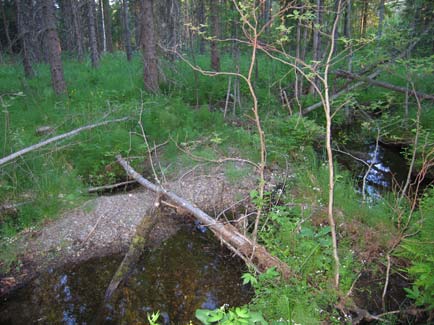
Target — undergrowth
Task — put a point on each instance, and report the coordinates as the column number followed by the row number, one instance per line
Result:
column 56, row 178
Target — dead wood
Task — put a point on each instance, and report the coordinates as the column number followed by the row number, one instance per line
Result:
column 228, row 234
column 382, row 84
column 11, row 208
column 372, row 75
column 109, row 187
column 72, row 133
column 135, row 250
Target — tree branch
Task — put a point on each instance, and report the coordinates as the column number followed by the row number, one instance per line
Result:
column 22, row 152
column 382, row 84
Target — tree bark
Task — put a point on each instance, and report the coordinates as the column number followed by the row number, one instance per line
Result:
column 137, row 12
column 77, row 30
column 37, row 24
column 256, row 254
column 101, row 28
column 6, row 28
column 201, row 21
column 383, row 84
column 150, row 64
column 380, row 19
column 215, row 33
column 107, row 25
column 127, row 33
column 317, row 43
column 22, row 17
column 53, row 47
column 72, row 133
column 94, row 55
column 364, row 18
column 67, row 37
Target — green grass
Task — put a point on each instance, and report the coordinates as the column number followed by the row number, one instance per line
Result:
column 56, row 177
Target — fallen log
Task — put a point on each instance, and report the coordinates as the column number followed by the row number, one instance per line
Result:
column 373, row 75
column 382, row 84
column 257, row 255
column 110, row 186
column 135, row 250
column 72, row 133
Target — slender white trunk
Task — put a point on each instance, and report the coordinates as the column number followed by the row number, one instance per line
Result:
column 104, row 39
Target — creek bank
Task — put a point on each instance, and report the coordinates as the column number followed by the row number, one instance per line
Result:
column 106, row 224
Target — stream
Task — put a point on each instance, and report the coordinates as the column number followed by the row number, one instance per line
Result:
column 388, row 167
column 190, row 270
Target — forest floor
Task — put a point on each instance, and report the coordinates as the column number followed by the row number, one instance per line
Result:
column 106, row 224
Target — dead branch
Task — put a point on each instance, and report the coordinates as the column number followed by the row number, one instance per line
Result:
column 109, row 187
column 12, row 208
column 373, row 75
column 135, row 250
column 382, row 84
column 22, row 152
column 257, row 254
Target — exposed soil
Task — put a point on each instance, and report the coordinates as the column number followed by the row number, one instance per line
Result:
column 106, row 224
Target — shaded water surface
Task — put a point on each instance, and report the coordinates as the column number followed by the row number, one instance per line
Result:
column 388, row 170
column 189, row 271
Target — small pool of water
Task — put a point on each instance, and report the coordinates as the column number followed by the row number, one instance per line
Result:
column 189, row 271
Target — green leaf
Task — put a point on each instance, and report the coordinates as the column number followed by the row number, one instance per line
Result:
column 202, row 315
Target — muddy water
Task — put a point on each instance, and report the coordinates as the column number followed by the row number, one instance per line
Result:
column 189, row 271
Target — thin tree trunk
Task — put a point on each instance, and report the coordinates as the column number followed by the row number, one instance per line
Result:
column 6, row 28
column 330, row 159
column 364, row 18
column 34, row 25
column 150, row 64
column 137, row 24
column 107, row 25
column 201, row 21
column 267, row 13
column 22, row 17
column 127, row 33
column 54, row 51
column 102, row 33
column 380, row 19
column 77, row 30
column 336, row 32
column 215, row 33
column 297, row 57
column 317, row 44
column 67, row 37
column 94, row 55
column 348, row 32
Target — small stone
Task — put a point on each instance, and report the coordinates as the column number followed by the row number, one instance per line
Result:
column 43, row 130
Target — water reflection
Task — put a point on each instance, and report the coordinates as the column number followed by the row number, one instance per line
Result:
column 189, row 271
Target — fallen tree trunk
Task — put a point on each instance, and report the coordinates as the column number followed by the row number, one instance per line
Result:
column 72, row 133
column 243, row 246
column 370, row 76
column 135, row 250
column 382, row 84
column 110, row 187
